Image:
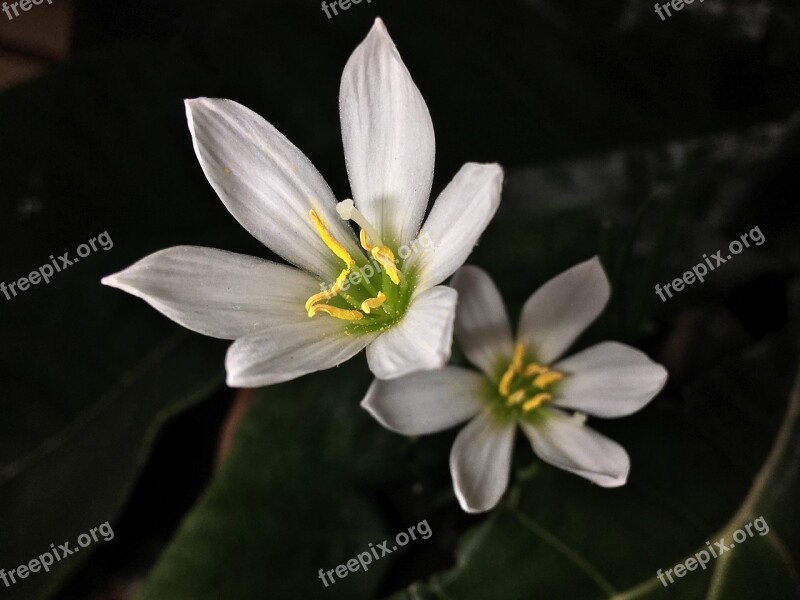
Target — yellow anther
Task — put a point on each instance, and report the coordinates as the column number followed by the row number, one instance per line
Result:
column 536, row 401
column 386, row 258
column 505, row 381
column 383, row 255
column 513, row 369
column 519, row 355
column 535, row 369
column 330, row 241
column 312, row 304
column 339, row 313
column 371, row 303
column 327, row 294
column 546, row 379
column 516, row 397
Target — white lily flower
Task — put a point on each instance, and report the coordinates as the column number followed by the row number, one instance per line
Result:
column 379, row 290
column 524, row 383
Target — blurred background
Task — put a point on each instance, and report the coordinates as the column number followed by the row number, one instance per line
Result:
column 647, row 142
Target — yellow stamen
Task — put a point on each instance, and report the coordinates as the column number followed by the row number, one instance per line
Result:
column 546, row 379
column 316, row 298
column 505, row 381
column 327, row 294
column 535, row 369
column 516, row 397
column 339, row 313
column 383, row 255
column 519, row 355
column 371, row 303
column 513, row 369
column 536, row 401
column 386, row 258
column 378, row 250
column 312, row 304
column 330, row 241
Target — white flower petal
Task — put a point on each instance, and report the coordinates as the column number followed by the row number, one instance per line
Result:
column 563, row 441
column 558, row 312
column 217, row 293
column 388, row 138
column 609, row 380
column 458, row 217
column 421, row 340
column 267, row 184
column 291, row 350
column 426, row 402
column 482, row 327
column 480, row 462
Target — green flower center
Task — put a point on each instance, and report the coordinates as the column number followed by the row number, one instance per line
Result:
column 372, row 292
column 520, row 388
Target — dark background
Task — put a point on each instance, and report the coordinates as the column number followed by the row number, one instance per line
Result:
column 647, row 142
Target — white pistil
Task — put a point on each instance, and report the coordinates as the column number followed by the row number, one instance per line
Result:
column 348, row 212
column 579, row 418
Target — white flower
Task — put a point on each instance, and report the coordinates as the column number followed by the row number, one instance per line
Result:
column 519, row 386
column 283, row 324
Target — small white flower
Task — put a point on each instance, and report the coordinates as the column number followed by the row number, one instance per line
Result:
column 524, row 383
column 291, row 321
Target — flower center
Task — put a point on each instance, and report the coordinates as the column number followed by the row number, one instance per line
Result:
column 523, row 387
column 371, row 290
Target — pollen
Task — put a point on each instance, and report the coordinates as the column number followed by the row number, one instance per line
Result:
column 339, row 313
column 329, row 293
column 383, row 255
column 505, row 382
column 386, row 259
column 370, row 303
column 330, row 241
column 313, row 305
column 535, row 369
column 547, row 378
column 516, row 397
column 519, row 356
column 536, row 401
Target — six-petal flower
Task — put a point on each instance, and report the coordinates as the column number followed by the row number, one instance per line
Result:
column 287, row 321
column 524, row 383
